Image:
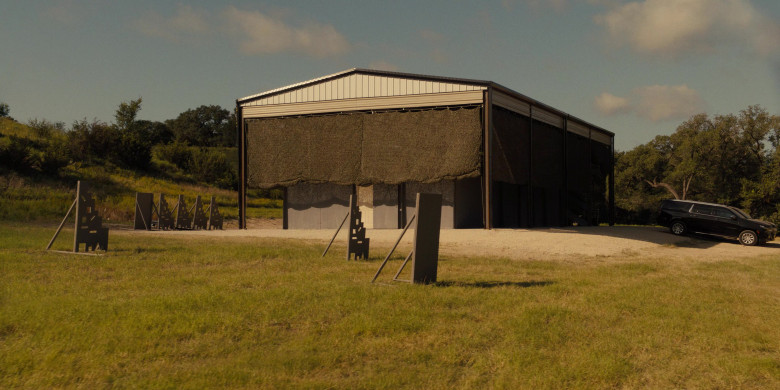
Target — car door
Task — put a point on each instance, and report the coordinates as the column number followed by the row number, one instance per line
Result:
column 726, row 222
column 702, row 219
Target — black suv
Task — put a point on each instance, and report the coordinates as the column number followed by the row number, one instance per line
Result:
column 683, row 216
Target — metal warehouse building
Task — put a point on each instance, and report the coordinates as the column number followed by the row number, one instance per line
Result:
column 499, row 158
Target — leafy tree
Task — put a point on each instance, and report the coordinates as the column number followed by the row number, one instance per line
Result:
column 135, row 147
column 126, row 113
column 155, row 132
column 43, row 129
column 205, row 126
column 212, row 167
column 4, row 110
column 729, row 159
column 92, row 141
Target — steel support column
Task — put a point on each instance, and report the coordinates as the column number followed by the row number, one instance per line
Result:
column 241, row 166
column 612, row 183
column 487, row 174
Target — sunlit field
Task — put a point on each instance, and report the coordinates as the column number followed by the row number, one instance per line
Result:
column 177, row 312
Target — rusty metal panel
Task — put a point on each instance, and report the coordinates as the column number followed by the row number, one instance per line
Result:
column 144, row 202
column 215, row 218
column 89, row 228
column 199, row 219
column 183, row 215
column 165, row 219
column 357, row 243
column 425, row 259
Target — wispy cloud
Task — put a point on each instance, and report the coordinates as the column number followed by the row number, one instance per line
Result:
column 662, row 102
column 186, row 23
column 676, row 28
column 255, row 32
column 609, row 104
column 654, row 102
column 261, row 34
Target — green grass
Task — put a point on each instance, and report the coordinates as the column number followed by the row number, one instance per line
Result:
column 25, row 198
column 164, row 312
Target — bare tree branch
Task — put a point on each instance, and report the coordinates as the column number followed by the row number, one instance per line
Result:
column 656, row 184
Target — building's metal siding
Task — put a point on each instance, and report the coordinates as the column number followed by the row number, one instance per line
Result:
column 548, row 117
column 355, row 90
column 601, row 137
column 578, row 128
column 524, row 108
column 359, row 104
column 512, row 104
column 359, row 86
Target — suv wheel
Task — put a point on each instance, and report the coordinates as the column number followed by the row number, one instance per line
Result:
column 748, row 238
column 678, row 228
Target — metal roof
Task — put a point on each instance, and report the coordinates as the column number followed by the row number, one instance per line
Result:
column 412, row 76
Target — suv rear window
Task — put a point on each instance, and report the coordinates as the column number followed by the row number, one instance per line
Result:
column 723, row 212
column 676, row 206
column 704, row 209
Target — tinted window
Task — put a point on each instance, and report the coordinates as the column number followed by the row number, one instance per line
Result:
column 740, row 212
column 723, row 213
column 704, row 209
column 676, row 206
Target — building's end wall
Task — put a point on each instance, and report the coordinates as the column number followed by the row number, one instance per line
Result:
column 316, row 206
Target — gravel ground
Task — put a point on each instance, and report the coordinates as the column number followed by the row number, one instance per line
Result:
column 591, row 242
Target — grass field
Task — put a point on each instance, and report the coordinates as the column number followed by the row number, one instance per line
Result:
column 44, row 199
column 163, row 312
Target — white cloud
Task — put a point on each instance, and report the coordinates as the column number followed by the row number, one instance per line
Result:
column 260, row 34
column 609, row 104
column 677, row 27
column 255, row 32
column 662, row 102
column 184, row 24
column 655, row 102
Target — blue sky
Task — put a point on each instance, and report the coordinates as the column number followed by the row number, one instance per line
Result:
column 637, row 68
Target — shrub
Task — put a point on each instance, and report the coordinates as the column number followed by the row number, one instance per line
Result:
column 212, row 167
column 52, row 156
column 93, row 141
column 134, row 152
column 17, row 154
column 177, row 153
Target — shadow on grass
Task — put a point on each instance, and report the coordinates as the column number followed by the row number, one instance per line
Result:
column 493, row 284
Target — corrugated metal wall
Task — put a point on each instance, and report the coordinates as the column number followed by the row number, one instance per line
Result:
column 357, row 86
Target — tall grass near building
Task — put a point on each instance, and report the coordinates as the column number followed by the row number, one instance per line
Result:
column 161, row 311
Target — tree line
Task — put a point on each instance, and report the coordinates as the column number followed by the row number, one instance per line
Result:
column 190, row 142
column 731, row 159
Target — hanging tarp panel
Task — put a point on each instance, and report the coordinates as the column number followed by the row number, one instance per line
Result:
column 547, row 151
column 511, row 146
column 365, row 148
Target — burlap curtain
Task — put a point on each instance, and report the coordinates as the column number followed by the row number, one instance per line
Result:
column 365, row 148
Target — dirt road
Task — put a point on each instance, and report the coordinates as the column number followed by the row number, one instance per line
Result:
column 592, row 242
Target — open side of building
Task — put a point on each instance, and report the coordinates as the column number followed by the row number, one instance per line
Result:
column 499, row 158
